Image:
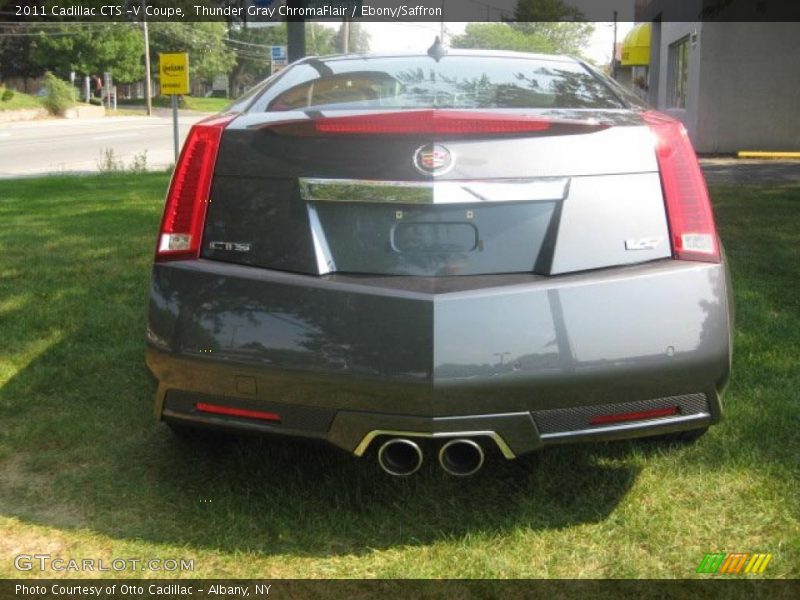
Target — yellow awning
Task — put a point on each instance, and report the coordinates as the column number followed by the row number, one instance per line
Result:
column 636, row 46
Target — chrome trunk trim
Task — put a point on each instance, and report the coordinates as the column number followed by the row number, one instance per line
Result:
column 640, row 425
column 542, row 189
column 322, row 253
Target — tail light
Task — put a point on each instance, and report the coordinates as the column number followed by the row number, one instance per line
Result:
column 439, row 122
column 691, row 222
column 187, row 200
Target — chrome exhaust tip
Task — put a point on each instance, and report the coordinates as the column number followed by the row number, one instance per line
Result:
column 400, row 457
column 461, row 457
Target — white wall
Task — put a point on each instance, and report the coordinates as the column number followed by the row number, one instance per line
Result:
column 750, row 87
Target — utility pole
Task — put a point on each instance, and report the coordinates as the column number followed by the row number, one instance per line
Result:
column 614, row 50
column 148, row 101
column 346, row 36
column 441, row 25
column 296, row 33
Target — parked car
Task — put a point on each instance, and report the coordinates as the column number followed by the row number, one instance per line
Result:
column 440, row 254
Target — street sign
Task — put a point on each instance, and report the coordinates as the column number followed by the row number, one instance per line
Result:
column 279, row 58
column 174, row 72
column 174, row 80
column 278, row 52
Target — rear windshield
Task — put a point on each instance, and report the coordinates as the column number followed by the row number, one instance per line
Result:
column 421, row 82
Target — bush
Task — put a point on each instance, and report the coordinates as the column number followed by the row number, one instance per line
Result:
column 60, row 94
column 95, row 101
column 139, row 162
column 7, row 95
column 109, row 163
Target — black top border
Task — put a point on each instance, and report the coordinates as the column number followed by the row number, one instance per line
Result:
column 402, row 10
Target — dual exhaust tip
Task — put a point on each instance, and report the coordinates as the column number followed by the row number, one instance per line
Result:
column 402, row 457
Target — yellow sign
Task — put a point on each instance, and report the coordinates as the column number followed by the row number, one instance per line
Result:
column 174, row 71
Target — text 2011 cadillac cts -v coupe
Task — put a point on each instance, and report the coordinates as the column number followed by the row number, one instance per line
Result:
column 440, row 254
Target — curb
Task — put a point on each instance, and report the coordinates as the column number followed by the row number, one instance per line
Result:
column 761, row 154
column 23, row 114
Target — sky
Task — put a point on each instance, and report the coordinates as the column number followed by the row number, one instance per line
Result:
column 390, row 37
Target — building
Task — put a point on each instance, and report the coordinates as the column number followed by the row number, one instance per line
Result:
column 734, row 84
column 634, row 60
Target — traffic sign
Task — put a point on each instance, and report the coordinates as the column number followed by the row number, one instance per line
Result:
column 278, row 52
column 174, row 71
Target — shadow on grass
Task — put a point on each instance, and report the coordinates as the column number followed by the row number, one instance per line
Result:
column 99, row 460
column 79, row 447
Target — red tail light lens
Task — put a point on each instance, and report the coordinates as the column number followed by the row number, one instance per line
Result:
column 691, row 221
column 187, row 200
column 217, row 409
column 440, row 122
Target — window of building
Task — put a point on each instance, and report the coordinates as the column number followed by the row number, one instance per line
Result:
column 678, row 73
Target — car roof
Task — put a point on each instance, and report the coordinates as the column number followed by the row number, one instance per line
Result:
column 450, row 52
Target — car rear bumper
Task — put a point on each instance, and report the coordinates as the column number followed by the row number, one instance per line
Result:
column 521, row 360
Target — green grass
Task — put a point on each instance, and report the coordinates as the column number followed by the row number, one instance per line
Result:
column 206, row 104
column 20, row 101
column 212, row 105
column 85, row 470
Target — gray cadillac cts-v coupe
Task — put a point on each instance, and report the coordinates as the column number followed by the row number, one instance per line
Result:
column 440, row 255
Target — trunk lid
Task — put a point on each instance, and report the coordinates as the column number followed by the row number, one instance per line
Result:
column 580, row 195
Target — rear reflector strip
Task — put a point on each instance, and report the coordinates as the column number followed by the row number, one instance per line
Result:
column 691, row 222
column 634, row 416
column 230, row 411
column 440, row 122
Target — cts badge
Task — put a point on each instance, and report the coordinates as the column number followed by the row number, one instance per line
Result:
column 230, row 246
column 433, row 159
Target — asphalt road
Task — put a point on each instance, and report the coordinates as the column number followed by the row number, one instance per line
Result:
column 78, row 145
column 743, row 171
column 65, row 145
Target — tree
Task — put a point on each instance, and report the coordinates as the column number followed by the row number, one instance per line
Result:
column 545, row 37
column 251, row 48
column 15, row 49
column 250, row 45
column 204, row 41
column 545, row 10
column 320, row 40
column 500, row 36
column 359, row 38
column 90, row 49
column 563, row 37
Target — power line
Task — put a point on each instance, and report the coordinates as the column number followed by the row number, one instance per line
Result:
column 264, row 46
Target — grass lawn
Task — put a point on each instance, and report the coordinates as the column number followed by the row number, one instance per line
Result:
column 20, row 101
column 86, row 471
column 212, row 105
